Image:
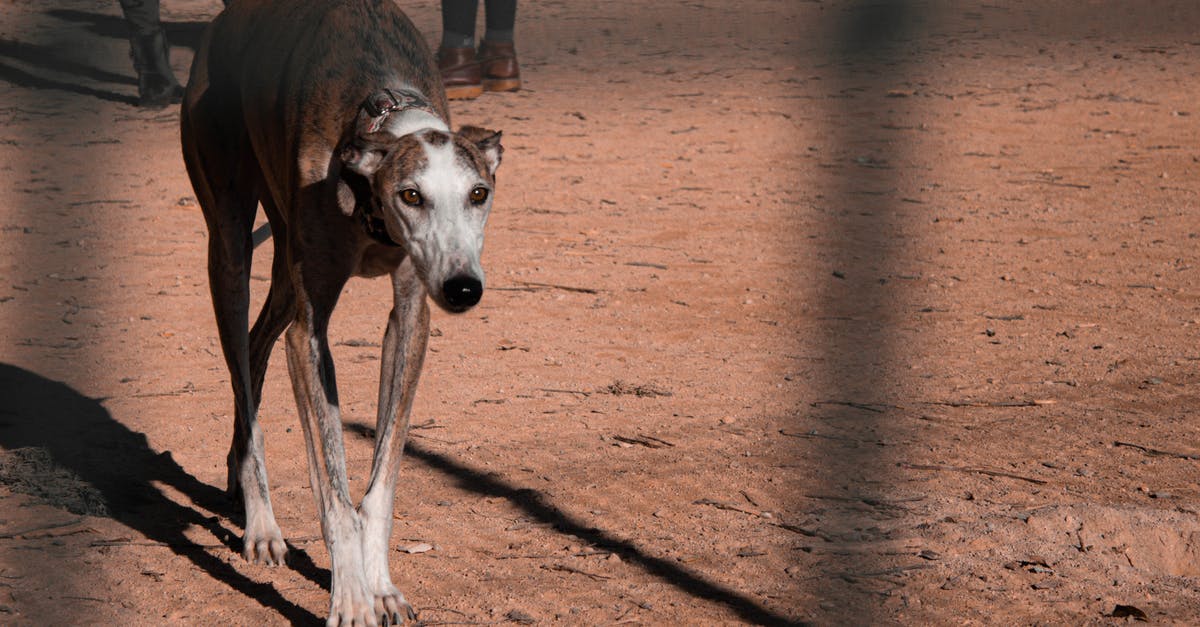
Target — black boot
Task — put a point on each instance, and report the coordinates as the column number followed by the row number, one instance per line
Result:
column 157, row 86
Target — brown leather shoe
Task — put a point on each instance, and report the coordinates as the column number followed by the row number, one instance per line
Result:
column 461, row 73
column 499, row 64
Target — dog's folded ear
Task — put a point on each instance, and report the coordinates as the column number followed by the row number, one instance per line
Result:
column 367, row 152
column 362, row 156
column 488, row 143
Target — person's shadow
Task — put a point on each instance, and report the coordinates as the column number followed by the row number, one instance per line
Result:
column 37, row 66
column 50, row 427
column 185, row 34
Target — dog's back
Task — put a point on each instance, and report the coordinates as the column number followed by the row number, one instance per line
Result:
column 296, row 71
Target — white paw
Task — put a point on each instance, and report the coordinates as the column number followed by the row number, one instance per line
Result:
column 391, row 606
column 263, row 544
column 352, row 605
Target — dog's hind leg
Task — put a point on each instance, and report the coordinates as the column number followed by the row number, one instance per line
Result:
column 228, row 184
column 403, row 354
column 278, row 309
column 246, row 451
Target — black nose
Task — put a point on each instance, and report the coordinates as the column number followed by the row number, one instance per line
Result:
column 462, row 291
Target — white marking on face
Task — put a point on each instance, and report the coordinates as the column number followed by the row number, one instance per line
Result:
column 445, row 234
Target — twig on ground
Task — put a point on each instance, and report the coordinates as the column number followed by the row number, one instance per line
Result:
column 878, row 408
column 1157, row 452
column 1081, row 547
column 1044, row 182
column 442, row 609
column 83, row 203
column 647, row 441
column 179, row 392
column 811, row 533
column 174, row 545
column 425, row 623
column 546, row 557
column 560, row 391
column 51, row 534
column 866, row 500
column 555, row 286
column 22, row 532
column 725, row 506
column 899, row 570
column 357, row 343
column 812, row 435
column 967, row 469
column 567, row 569
column 433, row 439
column 1028, row 403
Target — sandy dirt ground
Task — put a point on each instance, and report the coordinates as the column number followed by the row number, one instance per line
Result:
column 798, row 312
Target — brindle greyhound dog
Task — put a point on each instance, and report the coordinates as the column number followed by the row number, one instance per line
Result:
column 332, row 115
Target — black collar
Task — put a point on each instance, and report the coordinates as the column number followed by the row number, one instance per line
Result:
column 366, row 205
column 373, row 222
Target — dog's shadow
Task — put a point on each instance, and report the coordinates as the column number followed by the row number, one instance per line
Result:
column 115, row 468
column 38, row 66
column 47, row 420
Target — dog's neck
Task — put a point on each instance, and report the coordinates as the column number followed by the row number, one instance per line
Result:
column 399, row 112
column 414, row 120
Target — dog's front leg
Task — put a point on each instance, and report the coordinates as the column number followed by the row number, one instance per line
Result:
column 403, row 354
column 311, row 368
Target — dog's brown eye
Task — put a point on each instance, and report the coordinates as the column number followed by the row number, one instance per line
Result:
column 411, row 197
column 479, row 194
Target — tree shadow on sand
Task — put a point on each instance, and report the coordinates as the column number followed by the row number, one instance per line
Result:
column 47, row 420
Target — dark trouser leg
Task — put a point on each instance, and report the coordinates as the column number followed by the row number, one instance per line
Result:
column 501, row 16
column 142, row 16
column 458, row 23
column 456, row 57
column 498, row 55
column 157, row 86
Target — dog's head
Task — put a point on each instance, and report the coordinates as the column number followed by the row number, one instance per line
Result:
column 434, row 192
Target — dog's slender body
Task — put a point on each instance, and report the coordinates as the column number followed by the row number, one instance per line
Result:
column 331, row 114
